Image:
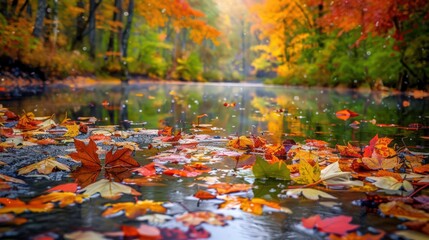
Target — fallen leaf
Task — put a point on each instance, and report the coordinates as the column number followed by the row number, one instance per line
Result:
column 422, row 169
column 121, row 158
column 178, row 234
column 309, row 193
column 224, row 188
column 109, row 189
column 155, row 219
column 197, row 218
column 180, row 173
column 72, row 130
column 402, row 210
column 144, row 231
column 64, row 198
column 349, row 151
column 391, row 183
column 413, row 235
column 86, row 154
column 254, row 205
column 338, row 225
column 307, row 174
column 45, row 166
column 263, row 169
column 84, row 235
column 332, row 175
column 357, row 236
column 375, row 164
column 242, row 143
column 345, row 114
column 133, row 210
column 17, row 206
column 204, row 195
column 144, row 181
column 11, row 179
column 8, row 218
column 67, row 187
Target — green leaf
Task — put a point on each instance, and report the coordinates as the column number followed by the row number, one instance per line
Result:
column 264, row 169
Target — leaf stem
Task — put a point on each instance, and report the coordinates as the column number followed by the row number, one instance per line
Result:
column 418, row 190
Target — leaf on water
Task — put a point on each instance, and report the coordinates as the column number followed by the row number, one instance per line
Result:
column 8, row 218
column 345, row 114
column 11, row 179
column 109, row 189
column 197, row 218
column 155, row 219
column 402, row 210
column 264, row 169
column 17, row 206
column 45, row 166
column 338, row 225
column 121, row 158
column 180, row 173
column 134, row 209
column 242, row 143
column 224, row 188
column 409, row 234
column 64, row 198
column 309, row 193
column 67, row 187
column 357, row 236
column 204, row 195
column 254, row 205
column 144, row 181
column 142, row 232
column 391, row 183
column 86, row 154
column 332, row 175
column 84, row 235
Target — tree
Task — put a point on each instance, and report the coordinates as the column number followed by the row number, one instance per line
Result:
column 40, row 16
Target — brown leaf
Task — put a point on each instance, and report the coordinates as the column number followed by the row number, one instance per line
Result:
column 45, row 166
column 402, row 210
column 87, row 154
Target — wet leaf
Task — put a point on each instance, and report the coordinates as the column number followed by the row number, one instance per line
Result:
column 109, row 189
column 309, row 193
column 414, row 235
column 180, row 173
column 204, row 195
column 197, row 218
column 72, row 130
column 391, row 183
column 338, row 225
column 307, row 174
column 254, row 205
column 121, row 158
column 155, row 219
column 264, row 169
column 67, row 187
column 345, row 114
column 375, row 164
column 7, row 218
column 332, row 175
column 133, row 210
column 349, row 151
column 242, row 143
column 144, row 181
column 422, row 169
column 402, row 210
column 357, row 236
column 86, row 154
column 191, row 233
column 225, row 188
column 142, row 232
column 64, row 198
column 45, row 166
column 11, row 179
column 17, row 206
column 84, row 235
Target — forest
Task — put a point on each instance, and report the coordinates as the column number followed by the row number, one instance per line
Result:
column 377, row 43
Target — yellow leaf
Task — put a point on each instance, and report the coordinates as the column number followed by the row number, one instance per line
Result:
column 72, row 130
column 17, row 206
column 402, row 210
column 109, row 189
column 133, row 210
column 307, row 174
column 45, row 166
column 65, row 198
column 241, row 142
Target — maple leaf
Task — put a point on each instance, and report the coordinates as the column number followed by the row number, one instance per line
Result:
column 349, row 151
column 197, row 218
column 109, row 189
column 402, row 210
column 263, row 169
column 242, row 143
column 345, row 114
column 149, row 169
column 391, row 183
column 45, row 166
column 64, row 198
column 11, row 179
column 121, row 158
column 142, row 232
column 332, row 175
column 134, row 209
column 370, row 148
column 254, row 205
column 72, row 130
column 375, row 164
column 309, row 193
column 224, row 188
column 307, row 174
column 67, row 187
column 180, row 173
column 17, row 206
column 86, row 154
column 338, row 225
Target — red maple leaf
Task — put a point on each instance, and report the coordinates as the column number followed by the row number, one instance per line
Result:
column 338, row 225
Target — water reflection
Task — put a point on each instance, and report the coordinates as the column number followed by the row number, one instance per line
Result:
column 273, row 111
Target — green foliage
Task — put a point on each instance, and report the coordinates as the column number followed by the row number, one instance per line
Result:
column 189, row 68
column 213, row 76
column 264, row 169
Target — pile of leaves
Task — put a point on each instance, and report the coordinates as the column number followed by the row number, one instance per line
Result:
column 102, row 164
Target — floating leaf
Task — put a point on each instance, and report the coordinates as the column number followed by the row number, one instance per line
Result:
column 224, row 188
column 144, row 181
column 391, row 183
column 72, row 130
column 87, row 154
column 242, row 143
column 7, row 218
column 204, row 195
column 17, row 206
column 349, row 151
column 264, row 169
column 67, row 187
column 121, row 158
column 307, row 174
column 11, row 179
column 309, row 193
column 109, row 189
column 64, row 198
column 345, row 114
column 84, row 235
column 133, row 210
column 197, row 218
column 402, row 210
column 45, row 166
column 332, row 175
column 338, row 225
column 155, row 219
column 254, row 205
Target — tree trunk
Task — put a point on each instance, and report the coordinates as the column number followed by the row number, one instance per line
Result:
column 3, row 8
column 126, row 37
column 38, row 24
column 21, row 9
column 92, row 27
column 13, row 8
column 115, row 18
column 80, row 24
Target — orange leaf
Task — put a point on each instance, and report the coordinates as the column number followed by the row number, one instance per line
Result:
column 402, row 210
column 422, row 169
column 203, row 195
column 345, row 114
column 87, row 154
column 17, row 206
column 180, row 173
column 121, row 158
column 67, row 187
column 133, row 210
column 224, row 188
column 197, row 218
column 349, row 151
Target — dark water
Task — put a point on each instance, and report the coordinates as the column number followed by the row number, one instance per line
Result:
column 272, row 111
